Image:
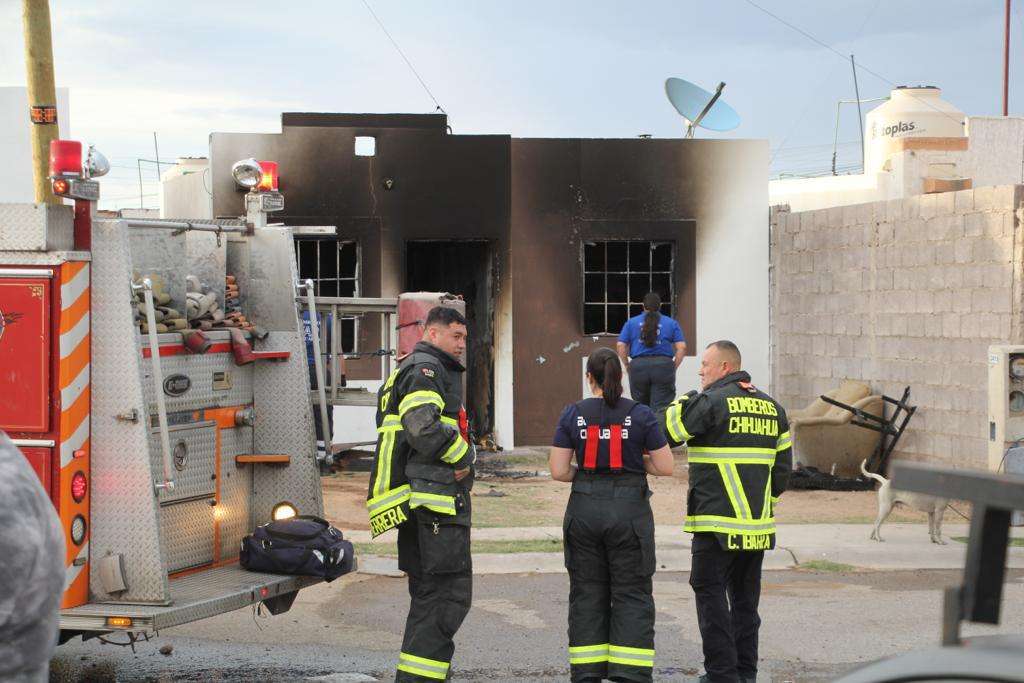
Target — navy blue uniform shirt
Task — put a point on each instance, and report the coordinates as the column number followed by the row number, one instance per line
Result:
column 641, row 433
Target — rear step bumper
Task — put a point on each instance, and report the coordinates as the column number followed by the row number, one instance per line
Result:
column 193, row 597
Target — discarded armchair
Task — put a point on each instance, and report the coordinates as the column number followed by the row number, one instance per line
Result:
column 825, row 436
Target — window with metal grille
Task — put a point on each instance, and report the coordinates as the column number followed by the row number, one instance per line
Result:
column 617, row 275
column 333, row 266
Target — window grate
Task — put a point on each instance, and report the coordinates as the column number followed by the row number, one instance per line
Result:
column 617, row 274
column 333, row 266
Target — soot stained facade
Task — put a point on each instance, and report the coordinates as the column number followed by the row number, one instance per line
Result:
column 552, row 242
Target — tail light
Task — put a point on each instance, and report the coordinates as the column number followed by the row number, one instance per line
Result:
column 78, row 528
column 79, row 486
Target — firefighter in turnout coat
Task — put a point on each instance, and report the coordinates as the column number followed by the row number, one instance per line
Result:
column 740, row 457
column 420, row 485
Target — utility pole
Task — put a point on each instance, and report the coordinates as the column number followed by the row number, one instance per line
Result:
column 860, row 118
column 1006, row 63
column 42, row 95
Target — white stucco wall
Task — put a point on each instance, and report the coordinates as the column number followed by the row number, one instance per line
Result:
column 15, row 143
column 732, row 255
column 185, row 190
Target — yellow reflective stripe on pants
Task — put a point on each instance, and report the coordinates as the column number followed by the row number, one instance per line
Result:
column 456, row 451
column 785, row 441
column 388, row 499
column 421, row 666
column 630, row 656
column 419, row 398
column 588, row 654
column 444, row 505
column 729, row 525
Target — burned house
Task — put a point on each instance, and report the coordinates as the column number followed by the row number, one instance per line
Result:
column 552, row 242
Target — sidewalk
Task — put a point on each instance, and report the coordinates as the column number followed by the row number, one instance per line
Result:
column 906, row 547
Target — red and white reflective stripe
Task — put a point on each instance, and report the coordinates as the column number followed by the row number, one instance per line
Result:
column 615, row 448
column 590, row 454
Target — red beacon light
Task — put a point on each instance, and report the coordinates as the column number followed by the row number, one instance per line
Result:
column 71, row 173
column 268, row 176
column 65, row 158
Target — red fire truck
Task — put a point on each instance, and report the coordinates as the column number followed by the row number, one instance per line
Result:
column 159, row 452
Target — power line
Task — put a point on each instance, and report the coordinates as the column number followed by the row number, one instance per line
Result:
column 408, row 63
column 846, row 57
column 810, row 99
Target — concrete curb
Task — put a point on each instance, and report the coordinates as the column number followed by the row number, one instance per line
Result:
column 906, row 547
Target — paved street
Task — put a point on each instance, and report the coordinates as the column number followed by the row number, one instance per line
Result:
column 816, row 625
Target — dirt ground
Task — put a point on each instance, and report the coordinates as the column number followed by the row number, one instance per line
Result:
column 502, row 497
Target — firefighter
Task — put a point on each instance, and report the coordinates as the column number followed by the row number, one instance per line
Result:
column 420, row 483
column 609, row 528
column 739, row 461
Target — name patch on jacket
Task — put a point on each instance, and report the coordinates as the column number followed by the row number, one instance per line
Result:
column 388, row 519
column 745, row 416
column 749, row 542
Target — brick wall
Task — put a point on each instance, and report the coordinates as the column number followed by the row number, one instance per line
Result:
column 896, row 293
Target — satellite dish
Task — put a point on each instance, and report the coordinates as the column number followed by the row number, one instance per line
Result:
column 700, row 107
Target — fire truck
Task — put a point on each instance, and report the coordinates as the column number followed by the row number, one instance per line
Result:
column 159, row 448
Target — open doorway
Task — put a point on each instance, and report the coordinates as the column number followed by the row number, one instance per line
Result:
column 465, row 268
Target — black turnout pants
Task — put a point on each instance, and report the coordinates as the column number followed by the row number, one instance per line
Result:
column 727, row 588
column 652, row 381
column 609, row 552
column 436, row 557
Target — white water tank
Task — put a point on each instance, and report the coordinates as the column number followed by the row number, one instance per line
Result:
column 911, row 112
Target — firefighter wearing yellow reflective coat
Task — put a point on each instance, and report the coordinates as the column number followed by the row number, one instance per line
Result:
column 420, row 485
column 738, row 446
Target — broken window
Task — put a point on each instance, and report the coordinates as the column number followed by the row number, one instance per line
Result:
column 617, row 275
column 333, row 266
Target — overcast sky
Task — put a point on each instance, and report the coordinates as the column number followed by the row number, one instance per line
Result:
column 585, row 68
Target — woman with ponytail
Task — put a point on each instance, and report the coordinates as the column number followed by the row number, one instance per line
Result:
column 609, row 528
column 652, row 346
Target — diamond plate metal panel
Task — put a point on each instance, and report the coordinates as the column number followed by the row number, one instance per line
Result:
column 42, row 258
column 238, row 265
column 194, row 447
column 284, row 424
column 199, row 369
column 188, row 533
column 271, row 282
column 206, row 259
column 36, row 227
column 155, row 251
column 235, row 509
column 124, row 506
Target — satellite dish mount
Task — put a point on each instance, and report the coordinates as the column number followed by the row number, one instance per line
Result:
column 703, row 112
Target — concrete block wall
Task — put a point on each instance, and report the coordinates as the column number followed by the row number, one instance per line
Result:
column 896, row 293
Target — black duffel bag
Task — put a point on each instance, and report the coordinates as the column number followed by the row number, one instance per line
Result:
column 304, row 545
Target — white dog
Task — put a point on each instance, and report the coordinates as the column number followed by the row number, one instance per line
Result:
column 889, row 497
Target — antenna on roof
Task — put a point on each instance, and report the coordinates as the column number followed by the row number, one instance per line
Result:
column 698, row 107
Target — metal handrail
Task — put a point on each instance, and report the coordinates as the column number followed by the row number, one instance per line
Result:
column 318, row 362
column 158, row 381
column 198, row 226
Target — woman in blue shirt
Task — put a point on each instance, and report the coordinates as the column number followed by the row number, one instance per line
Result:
column 652, row 346
column 609, row 527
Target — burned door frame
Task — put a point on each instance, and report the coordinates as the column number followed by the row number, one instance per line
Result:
column 490, row 285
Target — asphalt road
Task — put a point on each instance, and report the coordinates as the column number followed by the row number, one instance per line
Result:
column 816, row 626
